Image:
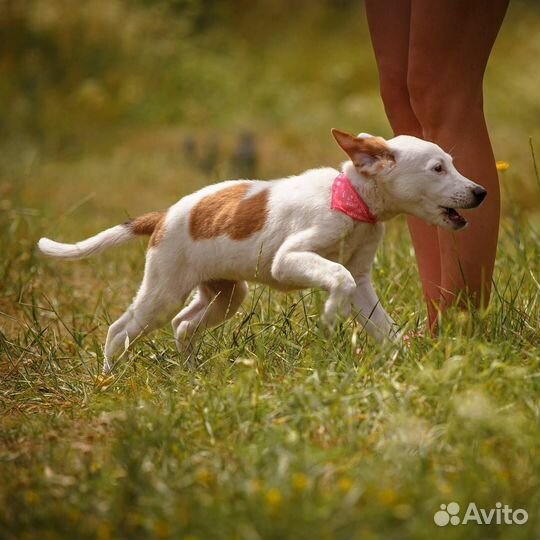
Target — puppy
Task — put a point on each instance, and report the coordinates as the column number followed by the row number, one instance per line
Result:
column 318, row 229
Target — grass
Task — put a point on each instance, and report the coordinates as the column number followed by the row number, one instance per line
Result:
column 275, row 431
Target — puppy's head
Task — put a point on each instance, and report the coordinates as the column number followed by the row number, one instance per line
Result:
column 413, row 176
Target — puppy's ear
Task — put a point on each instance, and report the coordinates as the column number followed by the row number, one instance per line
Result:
column 370, row 155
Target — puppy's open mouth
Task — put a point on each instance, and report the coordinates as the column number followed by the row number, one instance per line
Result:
column 454, row 217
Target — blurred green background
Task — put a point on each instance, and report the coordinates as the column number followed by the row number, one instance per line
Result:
column 200, row 82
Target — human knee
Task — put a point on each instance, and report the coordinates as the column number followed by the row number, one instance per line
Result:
column 395, row 97
column 441, row 106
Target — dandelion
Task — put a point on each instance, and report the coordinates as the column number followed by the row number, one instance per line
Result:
column 502, row 165
column 345, row 484
column 299, row 482
column 387, row 497
column 204, row 477
column 273, row 498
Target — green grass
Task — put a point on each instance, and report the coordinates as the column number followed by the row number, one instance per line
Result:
column 275, row 430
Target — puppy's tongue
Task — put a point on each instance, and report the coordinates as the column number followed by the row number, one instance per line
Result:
column 456, row 217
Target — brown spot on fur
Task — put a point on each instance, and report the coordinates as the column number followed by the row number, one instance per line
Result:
column 383, row 161
column 159, row 233
column 229, row 212
column 152, row 224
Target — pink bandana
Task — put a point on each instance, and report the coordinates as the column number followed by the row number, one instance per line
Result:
column 347, row 200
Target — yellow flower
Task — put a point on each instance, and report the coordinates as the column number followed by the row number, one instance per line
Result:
column 300, row 481
column 345, row 484
column 273, row 498
column 387, row 497
column 502, row 165
column 444, row 487
column 204, row 477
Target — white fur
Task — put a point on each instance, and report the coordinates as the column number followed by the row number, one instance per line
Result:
column 302, row 244
column 92, row 246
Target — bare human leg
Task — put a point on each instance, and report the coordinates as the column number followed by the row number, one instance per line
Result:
column 450, row 43
column 389, row 26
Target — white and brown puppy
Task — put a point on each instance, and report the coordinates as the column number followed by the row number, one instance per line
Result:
column 318, row 229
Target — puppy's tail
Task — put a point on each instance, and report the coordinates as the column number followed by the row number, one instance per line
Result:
column 147, row 224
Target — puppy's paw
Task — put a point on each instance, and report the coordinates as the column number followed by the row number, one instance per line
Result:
column 338, row 305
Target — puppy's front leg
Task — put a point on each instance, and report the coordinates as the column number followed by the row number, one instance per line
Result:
column 296, row 264
column 373, row 316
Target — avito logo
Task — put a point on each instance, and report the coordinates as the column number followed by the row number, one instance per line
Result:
column 500, row 515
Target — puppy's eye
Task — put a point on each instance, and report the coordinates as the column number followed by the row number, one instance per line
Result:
column 438, row 168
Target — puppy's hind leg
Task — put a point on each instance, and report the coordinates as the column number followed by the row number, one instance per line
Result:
column 215, row 302
column 159, row 296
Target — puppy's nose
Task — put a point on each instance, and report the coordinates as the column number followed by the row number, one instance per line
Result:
column 479, row 194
